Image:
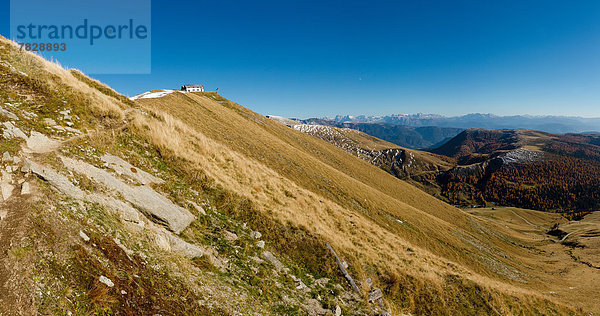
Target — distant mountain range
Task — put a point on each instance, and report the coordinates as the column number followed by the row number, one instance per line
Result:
column 550, row 124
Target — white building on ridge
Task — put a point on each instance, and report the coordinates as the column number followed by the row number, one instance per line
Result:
column 192, row 88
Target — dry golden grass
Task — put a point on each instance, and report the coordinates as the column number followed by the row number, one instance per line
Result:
column 54, row 74
column 344, row 200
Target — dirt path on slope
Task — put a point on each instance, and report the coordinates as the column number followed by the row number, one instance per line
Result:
column 13, row 299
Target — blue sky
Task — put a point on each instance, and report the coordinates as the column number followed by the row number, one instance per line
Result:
column 321, row 58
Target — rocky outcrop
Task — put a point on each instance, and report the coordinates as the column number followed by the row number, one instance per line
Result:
column 122, row 167
column 155, row 206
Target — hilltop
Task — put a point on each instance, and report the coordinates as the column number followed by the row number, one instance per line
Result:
column 189, row 203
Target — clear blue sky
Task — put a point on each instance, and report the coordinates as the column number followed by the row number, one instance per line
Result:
column 318, row 58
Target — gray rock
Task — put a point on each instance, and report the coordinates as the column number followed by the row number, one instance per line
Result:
column 25, row 188
column 314, row 307
column 6, row 176
column 11, row 131
column 256, row 235
column 230, row 236
column 6, row 156
column 375, row 295
column 338, row 310
column 322, row 282
column 122, row 167
column 301, row 285
column 49, row 122
column 83, row 236
column 40, row 143
column 8, row 114
column 260, row 244
column 7, row 190
column 63, row 184
column 26, row 167
column 158, row 208
column 198, row 208
column 183, row 247
column 106, row 281
column 274, row 261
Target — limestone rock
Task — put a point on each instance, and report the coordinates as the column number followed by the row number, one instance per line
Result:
column 256, row 235
column 157, row 207
column 25, row 188
column 6, row 176
column 40, row 143
column 7, row 190
column 106, row 281
column 260, row 244
column 11, row 131
column 375, row 295
column 274, row 261
column 6, row 156
column 8, row 114
column 122, row 167
column 229, row 236
column 63, row 184
column 184, row 248
column 49, row 122
column 167, row 241
column 198, row 208
column 26, row 167
column 162, row 241
column 84, row 236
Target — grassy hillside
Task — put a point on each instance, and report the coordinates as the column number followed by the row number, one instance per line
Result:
column 418, row 168
column 237, row 173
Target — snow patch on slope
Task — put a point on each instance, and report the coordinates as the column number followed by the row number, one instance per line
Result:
column 152, row 95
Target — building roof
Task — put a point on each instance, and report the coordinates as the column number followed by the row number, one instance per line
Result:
column 193, row 86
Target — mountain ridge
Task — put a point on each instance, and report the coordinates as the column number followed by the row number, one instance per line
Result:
column 549, row 123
